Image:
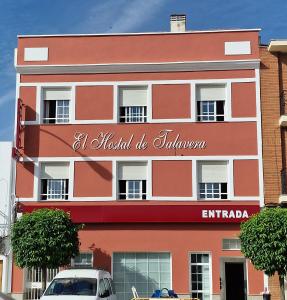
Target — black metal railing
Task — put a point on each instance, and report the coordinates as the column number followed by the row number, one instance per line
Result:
column 283, row 102
column 283, row 181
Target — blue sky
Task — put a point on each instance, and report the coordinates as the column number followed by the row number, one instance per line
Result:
column 99, row 16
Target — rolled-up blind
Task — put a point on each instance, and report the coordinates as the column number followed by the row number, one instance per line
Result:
column 211, row 92
column 212, row 171
column 133, row 96
column 57, row 94
column 132, row 171
column 55, row 171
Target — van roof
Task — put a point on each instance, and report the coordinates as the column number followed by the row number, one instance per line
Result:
column 82, row 273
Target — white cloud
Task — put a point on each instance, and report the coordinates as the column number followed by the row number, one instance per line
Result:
column 120, row 15
column 4, row 132
column 135, row 14
column 9, row 96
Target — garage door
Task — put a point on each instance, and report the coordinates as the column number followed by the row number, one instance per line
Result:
column 146, row 271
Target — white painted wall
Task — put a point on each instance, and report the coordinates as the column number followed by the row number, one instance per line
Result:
column 5, row 182
column 5, row 206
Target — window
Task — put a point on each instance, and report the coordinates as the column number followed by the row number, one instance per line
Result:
column 145, row 271
column 210, row 103
column 212, row 179
column 104, row 288
column 108, row 285
column 56, row 105
column 54, row 181
column 200, row 270
column 132, row 180
column 112, row 286
column 231, row 244
column 73, row 287
column 83, row 260
column 133, row 104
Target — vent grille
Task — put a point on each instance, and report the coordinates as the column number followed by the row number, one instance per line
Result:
column 174, row 18
column 231, row 244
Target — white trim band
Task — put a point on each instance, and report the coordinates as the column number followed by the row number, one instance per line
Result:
column 139, row 67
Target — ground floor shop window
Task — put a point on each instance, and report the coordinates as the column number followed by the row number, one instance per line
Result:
column 200, row 270
column 145, row 271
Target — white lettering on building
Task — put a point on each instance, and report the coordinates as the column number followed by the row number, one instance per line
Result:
column 110, row 141
column 224, row 214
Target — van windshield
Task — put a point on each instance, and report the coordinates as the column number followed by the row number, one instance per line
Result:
column 72, row 286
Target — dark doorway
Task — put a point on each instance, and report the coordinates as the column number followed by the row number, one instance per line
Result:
column 234, row 281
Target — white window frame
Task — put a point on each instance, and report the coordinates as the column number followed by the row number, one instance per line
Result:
column 71, row 117
column 229, row 175
column 63, row 188
column 73, row 264
column 147, row 116
column 210, row 271
column 147, row 165
column 209, row 115
column 39, row 182
column 140, row 194
column 127, row 193
column 57, row 119
column 144, row 252
column 227, row 241
column 220, row 193
column 129, row 116
column 227, row 100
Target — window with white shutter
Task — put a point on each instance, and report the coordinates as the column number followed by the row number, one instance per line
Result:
column 212, row 179
column 54, row 181
column 132, row 180
column 133, row 104
column 56, row 105
column 210, row 102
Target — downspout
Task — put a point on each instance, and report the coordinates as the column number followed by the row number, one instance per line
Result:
column 282, row 129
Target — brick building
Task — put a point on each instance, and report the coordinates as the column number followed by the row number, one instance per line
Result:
column 153, row 140
column 273, row 75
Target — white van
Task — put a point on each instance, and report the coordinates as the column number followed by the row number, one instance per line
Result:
column 84, row 284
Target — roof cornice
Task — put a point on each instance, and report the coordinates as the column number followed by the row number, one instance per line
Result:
column 139, row 33
column 139, row 67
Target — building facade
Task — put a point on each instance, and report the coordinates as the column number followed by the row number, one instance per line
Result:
column 273, row 102
column 153, row 141
column 6, row 205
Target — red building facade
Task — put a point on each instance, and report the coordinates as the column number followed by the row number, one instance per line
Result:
column 153, row 141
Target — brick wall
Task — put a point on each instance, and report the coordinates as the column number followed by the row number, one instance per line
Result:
column 271, row 133
column 270, row 109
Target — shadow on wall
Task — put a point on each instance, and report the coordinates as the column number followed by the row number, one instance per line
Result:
column 102, row 260
column 103, row 172
column 124, row 277
column 29, row 113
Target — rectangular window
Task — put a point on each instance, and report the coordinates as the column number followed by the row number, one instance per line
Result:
column 133, row 104
column 231, row 244
column 145, row 271
column 56, row 106
column 132, row 180
column 54, row 181
column 200, row 270
column 212, row 180
column 210, row 103
column 83, row 260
